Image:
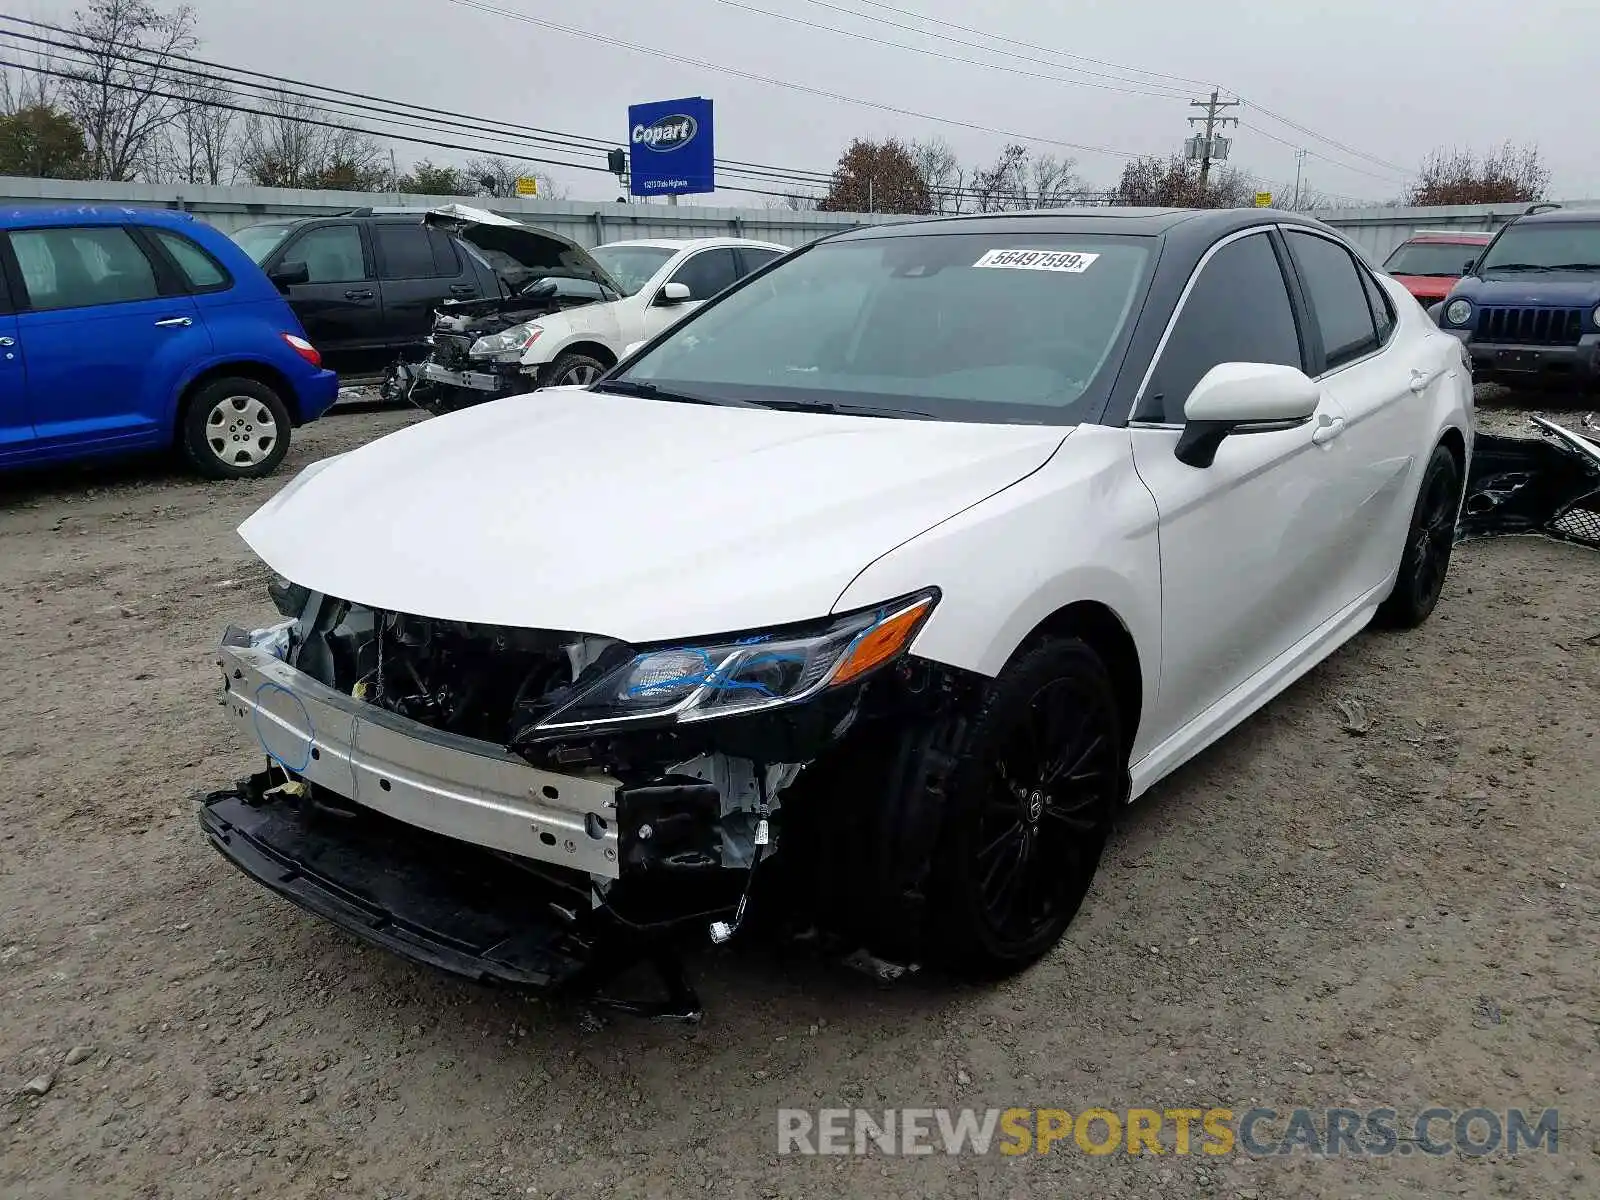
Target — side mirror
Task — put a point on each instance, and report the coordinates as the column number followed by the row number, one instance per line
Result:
column 673, row 293
column 1243, row 398
column 290, row 273
column 631, row 349
column 1470, row 265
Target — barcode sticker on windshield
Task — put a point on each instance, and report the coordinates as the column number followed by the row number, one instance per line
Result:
column 1073, row 261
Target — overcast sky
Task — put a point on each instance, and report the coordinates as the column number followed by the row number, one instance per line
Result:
column 1389, row 78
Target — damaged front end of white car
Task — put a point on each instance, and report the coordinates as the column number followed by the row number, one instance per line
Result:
column 548, row 809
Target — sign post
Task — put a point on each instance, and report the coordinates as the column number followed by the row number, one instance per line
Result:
column 671, row 148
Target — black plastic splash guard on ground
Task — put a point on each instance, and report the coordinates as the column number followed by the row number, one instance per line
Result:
column 441, row 903
column 1548, row 485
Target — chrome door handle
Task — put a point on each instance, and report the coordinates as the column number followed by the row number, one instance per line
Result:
column 1327, row 429
column 173, row 322
column 5, row 341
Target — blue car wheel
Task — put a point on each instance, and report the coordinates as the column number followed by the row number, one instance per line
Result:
column 235, row 428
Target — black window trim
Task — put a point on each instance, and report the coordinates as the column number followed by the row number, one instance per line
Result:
column 22, row 302
column 1326, row 371
column 369, row 261
column 166, row 264
column 1297, row 306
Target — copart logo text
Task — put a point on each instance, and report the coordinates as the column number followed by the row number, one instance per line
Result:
column 666, row 133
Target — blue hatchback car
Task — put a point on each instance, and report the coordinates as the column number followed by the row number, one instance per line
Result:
column 128, row 329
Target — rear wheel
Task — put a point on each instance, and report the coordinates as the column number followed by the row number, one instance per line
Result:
column 1031, row 803
column 235, row 428
column 1429, row 541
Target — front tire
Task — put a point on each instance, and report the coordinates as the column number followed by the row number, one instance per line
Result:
column 1032, row 796
column 235, row 428
column 574, row 368
column 1430, row 539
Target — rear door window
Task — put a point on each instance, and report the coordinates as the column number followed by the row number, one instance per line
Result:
column 1338, row 298
column 202, row 272
column 404, row 252
column 81, row 266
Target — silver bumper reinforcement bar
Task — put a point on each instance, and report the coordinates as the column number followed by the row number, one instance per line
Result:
column 454, row 786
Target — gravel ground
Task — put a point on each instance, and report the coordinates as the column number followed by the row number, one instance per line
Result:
column 1303, row 916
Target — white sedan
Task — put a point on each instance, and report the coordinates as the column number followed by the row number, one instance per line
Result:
column 903, row 565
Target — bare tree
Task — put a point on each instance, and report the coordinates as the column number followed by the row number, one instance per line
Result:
column 201, row 144
column 492, row 175
column 997, row 188
column 1511, row 174
column 27, row 88
column 941, row 171
column 792, row 202
column 121, row 96
column 1022, row 179
column 1053, row 182
column 287, row 145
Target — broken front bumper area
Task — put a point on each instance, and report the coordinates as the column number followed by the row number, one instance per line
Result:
column 1548, row 485
column 459, row 908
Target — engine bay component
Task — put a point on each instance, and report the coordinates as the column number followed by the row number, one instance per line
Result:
column 1548, row 485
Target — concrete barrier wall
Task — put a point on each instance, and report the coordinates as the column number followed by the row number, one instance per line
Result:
column 1376, row 230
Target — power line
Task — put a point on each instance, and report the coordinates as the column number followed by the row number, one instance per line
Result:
column 723, row 68
column 906, row 12
column 301, row 118
column 1265, row 112
column 474, row 126
column 1165, row 94
column 1316, row 153
column 1311, row 133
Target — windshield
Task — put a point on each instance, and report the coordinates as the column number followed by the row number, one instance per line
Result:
column 978, row 327
column 1554, row 245
column 1432, row 258
column 258, row 241
column 631, row 266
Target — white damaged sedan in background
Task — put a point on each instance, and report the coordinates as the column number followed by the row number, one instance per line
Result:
column 855, row 604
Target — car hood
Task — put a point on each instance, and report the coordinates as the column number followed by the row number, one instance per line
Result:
column 637, row 519
column 519, row 253
column 1431, row 287
column 1532, row 289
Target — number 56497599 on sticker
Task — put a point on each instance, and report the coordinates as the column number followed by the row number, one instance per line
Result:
column 1074, row 262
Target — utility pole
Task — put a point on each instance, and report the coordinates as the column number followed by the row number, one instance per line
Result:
column 1208, row 146
column 1299, row 159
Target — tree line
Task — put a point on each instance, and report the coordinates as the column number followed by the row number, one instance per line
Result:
column 927, row 178
column 119, row 106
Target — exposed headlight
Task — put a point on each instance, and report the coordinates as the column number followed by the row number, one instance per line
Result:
column 747, row 674
column 1458, row 312
column 507, row 345
column 1597, row 317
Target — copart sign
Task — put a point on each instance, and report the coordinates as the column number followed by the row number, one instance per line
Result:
column 671, row 148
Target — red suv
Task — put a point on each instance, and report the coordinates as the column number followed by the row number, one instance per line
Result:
column 1429, row 264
